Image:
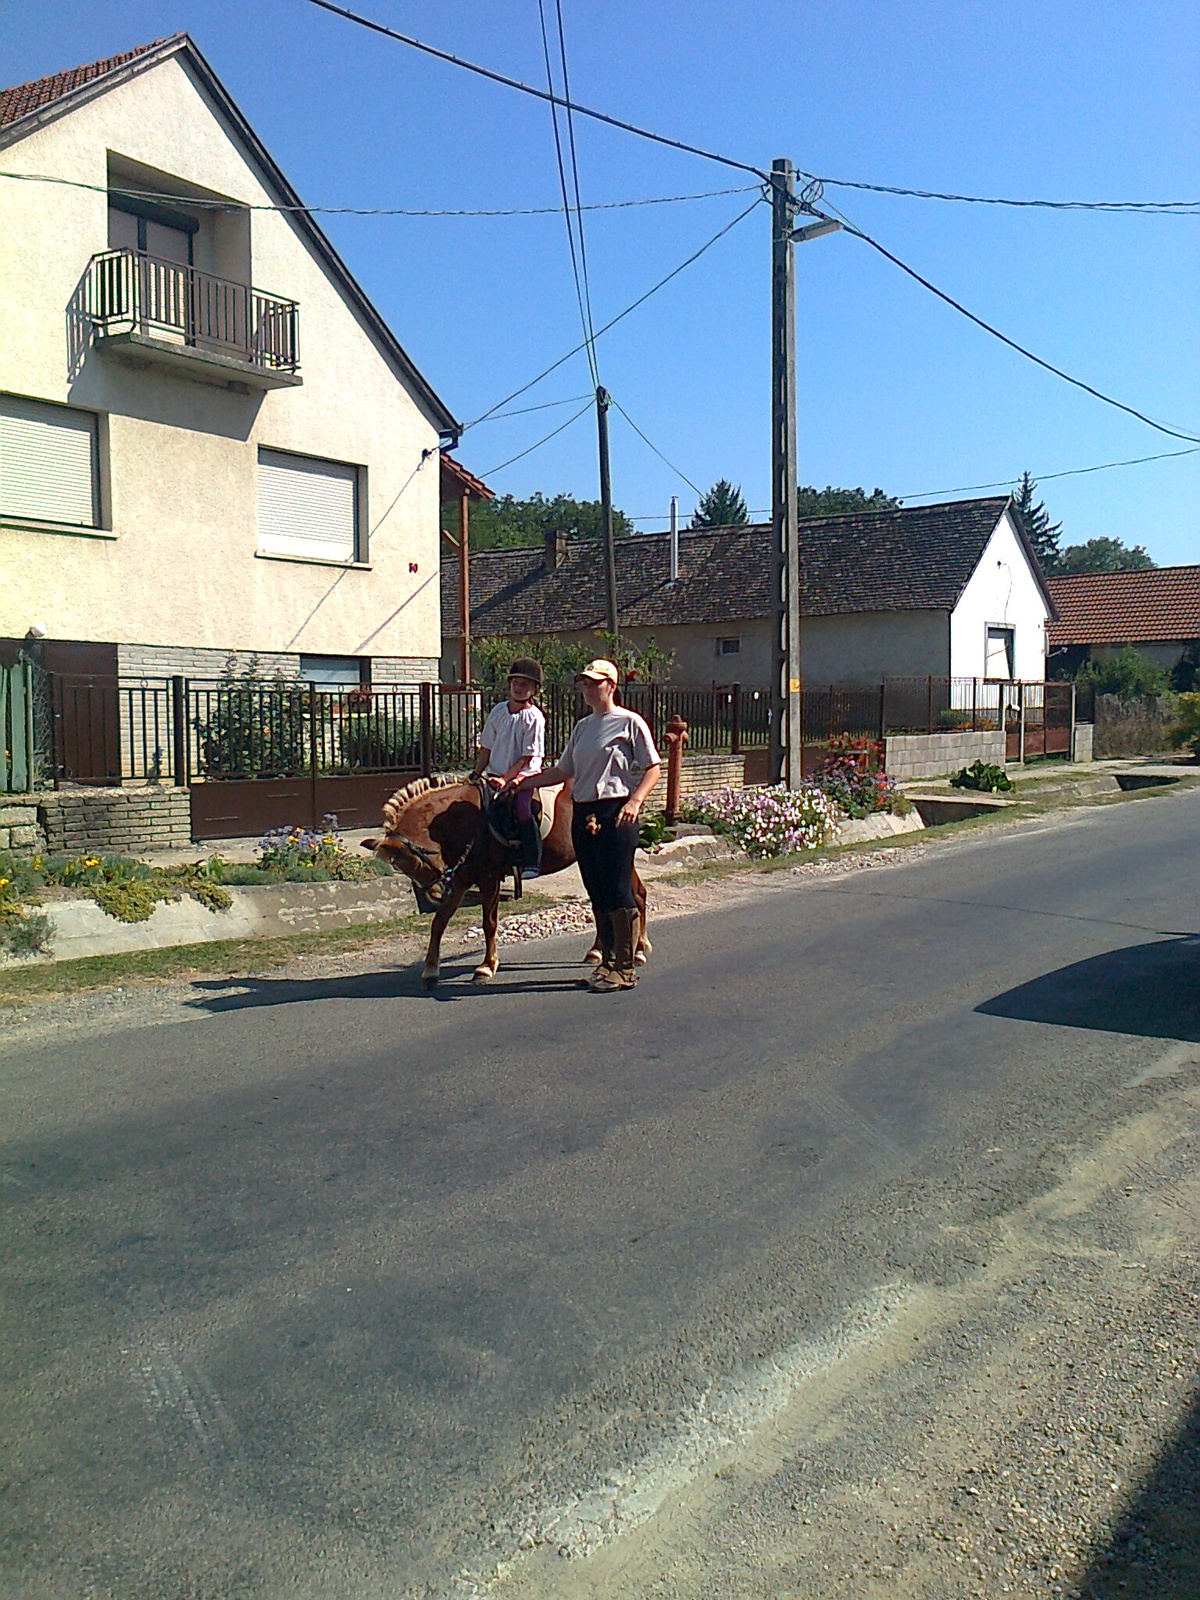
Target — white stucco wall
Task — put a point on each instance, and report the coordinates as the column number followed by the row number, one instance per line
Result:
column 180, row 457
column 1002, row 592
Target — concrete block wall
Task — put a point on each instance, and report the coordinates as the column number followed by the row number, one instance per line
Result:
column 1082, row 742
column 116, row 821
column 911, row 756
column 404, row 670
column 703, row 775
column 19, row 826
column 168, row 661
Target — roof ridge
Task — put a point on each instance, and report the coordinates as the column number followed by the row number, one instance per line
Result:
column 1125, row 572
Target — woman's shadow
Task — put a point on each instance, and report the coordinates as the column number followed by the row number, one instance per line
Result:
column 1152, row 989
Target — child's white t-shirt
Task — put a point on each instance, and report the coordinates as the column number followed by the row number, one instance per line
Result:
column 510, row 736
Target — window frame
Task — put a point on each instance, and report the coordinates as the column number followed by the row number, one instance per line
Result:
column 1010, row 650
column 99, row 476
column 724, row 639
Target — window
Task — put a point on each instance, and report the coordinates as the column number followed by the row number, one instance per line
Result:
column 49, row 463
column 729, row 647
column 999, row 662
column 334, row 672
column 308, row 507
column 133, row 225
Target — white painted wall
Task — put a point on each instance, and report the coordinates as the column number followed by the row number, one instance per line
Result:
column 1002, row 592
column 180, row 567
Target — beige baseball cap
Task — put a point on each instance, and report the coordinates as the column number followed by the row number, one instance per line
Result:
column 600, row 670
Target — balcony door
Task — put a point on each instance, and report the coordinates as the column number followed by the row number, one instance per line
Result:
column 165, row 287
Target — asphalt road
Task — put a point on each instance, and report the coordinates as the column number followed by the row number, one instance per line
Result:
column 328, row 1288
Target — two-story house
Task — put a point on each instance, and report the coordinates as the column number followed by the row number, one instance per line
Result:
column 210, row 440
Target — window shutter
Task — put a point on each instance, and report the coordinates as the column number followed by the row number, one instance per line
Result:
column 48, row 469
column 306, row 508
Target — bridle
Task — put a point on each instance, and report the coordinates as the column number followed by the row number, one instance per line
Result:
column 445, row 875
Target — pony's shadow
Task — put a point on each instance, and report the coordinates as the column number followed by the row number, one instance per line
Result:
column 1150, row 989
column 397, row 983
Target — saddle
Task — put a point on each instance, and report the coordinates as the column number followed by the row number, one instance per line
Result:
column 500, row 815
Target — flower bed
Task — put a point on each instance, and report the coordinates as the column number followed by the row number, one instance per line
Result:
column 768, row 821
column 301, row 855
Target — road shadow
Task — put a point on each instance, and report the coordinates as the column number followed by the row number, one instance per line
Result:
column 1154, row 1551
column 251, row 993
column 1150, row 989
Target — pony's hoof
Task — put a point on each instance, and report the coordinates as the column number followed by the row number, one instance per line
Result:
column 482, row 975
column 594, row 954
column 642, row 955
column 429, row 977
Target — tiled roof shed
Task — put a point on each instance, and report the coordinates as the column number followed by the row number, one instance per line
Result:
column 1157, row 605
column 914, row 559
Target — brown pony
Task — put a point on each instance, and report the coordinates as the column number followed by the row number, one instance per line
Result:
column 437, row 835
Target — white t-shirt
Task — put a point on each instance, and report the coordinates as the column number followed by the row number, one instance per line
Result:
column 511, row 735
column 608, row 754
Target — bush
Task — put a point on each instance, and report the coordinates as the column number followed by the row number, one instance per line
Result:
column 379, row 739
column 1128, row 673
column 768, row 822
column 25, row 934
column 1187, row 731
column 858, row 791
column 304, row 855
column 981, row 776
column 256, row 727
column 124, row 888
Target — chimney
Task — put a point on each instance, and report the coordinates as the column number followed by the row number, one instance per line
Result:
column 674, row 537
column 556, row 550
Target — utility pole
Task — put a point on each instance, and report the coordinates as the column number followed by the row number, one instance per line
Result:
column 610, row 554
column 787, row 698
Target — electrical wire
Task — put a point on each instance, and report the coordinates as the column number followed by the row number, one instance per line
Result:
column 1047, row 477
column 523, row 411
column 539, row 94
column 1078, row 383
column 1179, row 208
column 562, row 427
column 373, row 211
column 620, row 316
column 654, row 447
column 587, row 290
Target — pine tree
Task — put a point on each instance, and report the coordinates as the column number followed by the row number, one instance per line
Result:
column 1043, row 534
column 722, row 507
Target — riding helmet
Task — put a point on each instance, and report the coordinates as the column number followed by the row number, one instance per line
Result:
column 526, row 667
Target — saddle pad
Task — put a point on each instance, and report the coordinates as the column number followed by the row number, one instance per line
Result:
column 549, row 799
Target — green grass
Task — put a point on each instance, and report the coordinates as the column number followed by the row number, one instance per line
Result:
column 229, row 957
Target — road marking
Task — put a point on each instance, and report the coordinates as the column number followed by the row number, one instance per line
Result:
column 1171, row 1062
column 732, row 1409
column 852, row 1123
column 168, row 1386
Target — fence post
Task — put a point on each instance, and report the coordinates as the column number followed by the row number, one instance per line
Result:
column 426, row 692
column 929, row 704
column 179, row 732
column 735, row 722
column 974, row 705
column 677, row 735
column 314, row 753
column 1021, row 723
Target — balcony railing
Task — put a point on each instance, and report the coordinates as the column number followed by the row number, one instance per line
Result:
column 131, row 292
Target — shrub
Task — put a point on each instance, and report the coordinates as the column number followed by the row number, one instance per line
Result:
column 305, row 855
column 768, row 821
column 981, row 776
column 256, row 727
column 1187, row 730
column 379, row 739
column 857, row 791
column 25, row 934
column 1128, row 673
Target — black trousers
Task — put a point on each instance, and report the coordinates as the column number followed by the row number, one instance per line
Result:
column 605, row 853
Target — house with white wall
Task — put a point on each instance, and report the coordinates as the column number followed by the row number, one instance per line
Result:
column 210, row 440
column 951, row 590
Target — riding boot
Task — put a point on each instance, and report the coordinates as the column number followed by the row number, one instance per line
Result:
column 604, row 942
column 622, row 974
column 530, row 836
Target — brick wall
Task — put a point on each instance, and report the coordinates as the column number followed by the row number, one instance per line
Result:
column 167, row 661
column 911, row 756
column 116, row 821
column 19, row 827
column 704, row 774
column 405, row 670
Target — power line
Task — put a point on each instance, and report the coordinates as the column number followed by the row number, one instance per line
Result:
column 987, row 327
column 641, row 300
column 539, row 94
column 492, row 471
column 589, row 329
column 654, row 447
column 523, row 411
column 376, row 211
column 1047, row 477
column 1181, row 208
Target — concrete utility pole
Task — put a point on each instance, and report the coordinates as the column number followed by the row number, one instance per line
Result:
column 787, row 699
column 610, row 554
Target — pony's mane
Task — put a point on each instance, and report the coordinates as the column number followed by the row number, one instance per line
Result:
column 393, row 808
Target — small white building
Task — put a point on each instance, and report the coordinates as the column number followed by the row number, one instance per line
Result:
column 210, row 440
column 948, row 591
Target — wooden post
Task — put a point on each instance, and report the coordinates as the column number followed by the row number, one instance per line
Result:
column 464, row 588
column 677, row 736
column 787, row 721
column 606, row 516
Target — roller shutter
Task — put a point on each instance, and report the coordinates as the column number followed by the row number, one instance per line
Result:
column 48, row 463
column 306, row 507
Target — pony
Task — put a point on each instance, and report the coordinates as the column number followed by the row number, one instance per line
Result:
column 437, row 833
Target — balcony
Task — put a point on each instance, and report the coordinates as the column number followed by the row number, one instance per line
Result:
column 147, row 309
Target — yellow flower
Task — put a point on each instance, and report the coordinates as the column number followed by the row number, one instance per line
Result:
column 92, row 861
column 3, row 881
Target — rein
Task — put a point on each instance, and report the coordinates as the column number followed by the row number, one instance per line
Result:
column 446, row 875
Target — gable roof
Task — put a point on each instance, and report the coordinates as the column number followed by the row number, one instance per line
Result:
column 30, row 106
column 917, row 558
column 1159, row 603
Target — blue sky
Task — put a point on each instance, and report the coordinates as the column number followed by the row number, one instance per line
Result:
column 1046, row 99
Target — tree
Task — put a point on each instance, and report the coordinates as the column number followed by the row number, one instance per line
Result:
column 507, row 522
column 1043, row 534
column 831, row 502
column 722, row 507
column 1104, row 555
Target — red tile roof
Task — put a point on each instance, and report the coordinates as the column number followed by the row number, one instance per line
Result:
column 26, row 97
column 1160, row 603
column 457, row 480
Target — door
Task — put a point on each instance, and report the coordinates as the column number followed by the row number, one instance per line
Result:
column 85, row 706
